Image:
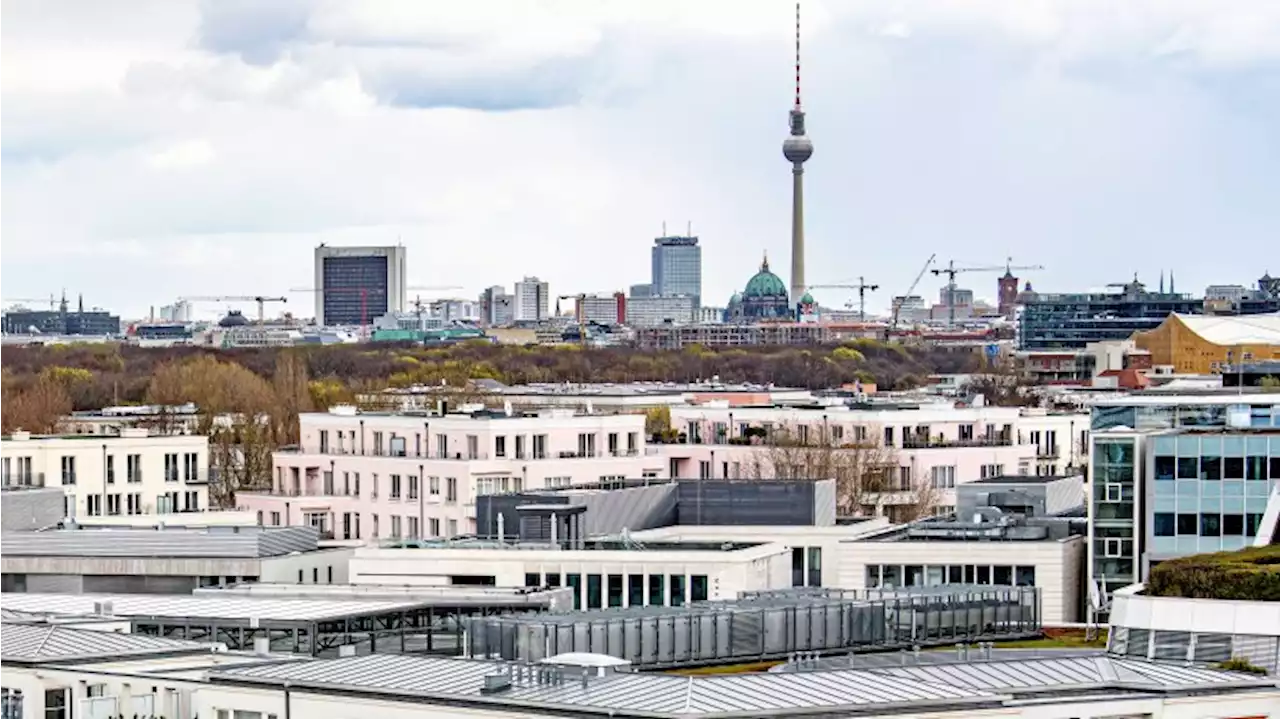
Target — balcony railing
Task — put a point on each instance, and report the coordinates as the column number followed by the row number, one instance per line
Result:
column 1048, row 452
column 27, row 479
column 947, row 443
column 478, row 456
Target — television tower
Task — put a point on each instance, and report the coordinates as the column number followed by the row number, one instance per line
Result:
column 797, row 148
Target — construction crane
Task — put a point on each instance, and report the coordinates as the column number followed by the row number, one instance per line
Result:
column 897, row 306
column 53, row 302
column 862, row 287
column 951, row 271
column 364, row 297
column 262, row 301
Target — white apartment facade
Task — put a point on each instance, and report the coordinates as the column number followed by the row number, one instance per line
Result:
column 372, row 476
column 532, row 300
column 658, row 575
column 130, row 474
column 935, row 447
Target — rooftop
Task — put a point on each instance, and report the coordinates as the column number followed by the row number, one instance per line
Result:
column 39, row 643
column 1022, row 479
column 126, row 541
column 232, row 609
column 600, row 544
column 1235, row 329
column 462, row 682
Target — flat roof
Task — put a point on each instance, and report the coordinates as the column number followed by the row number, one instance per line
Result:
column 595, row 544
column 1021, row 479
column 33, row 643
column 204, row 607
column 443, row 595
column 414, row 678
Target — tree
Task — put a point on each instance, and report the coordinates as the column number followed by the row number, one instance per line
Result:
column 657, row 421
column 37, row 409
column 238, row 411
column 864, row 470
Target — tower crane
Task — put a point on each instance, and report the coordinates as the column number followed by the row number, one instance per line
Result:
column 951, row 271
column 262, row 301
column 897, row 306
column 364, row 297
column 53, row 302
column 862, row 287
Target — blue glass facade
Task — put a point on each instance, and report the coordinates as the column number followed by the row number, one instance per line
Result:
column 1209, row 491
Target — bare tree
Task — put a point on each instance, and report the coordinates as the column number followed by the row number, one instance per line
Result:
column 37, row 408
column 864, row 470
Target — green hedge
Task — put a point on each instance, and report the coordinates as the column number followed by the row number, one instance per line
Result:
column 1250, row 574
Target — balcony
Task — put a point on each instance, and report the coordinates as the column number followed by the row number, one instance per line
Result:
column 1048, row 452
column 32, row 479
column 946, row 443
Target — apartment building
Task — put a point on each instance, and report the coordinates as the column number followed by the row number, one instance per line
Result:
column 934, row 446
column 133, row 473
column 370, row 476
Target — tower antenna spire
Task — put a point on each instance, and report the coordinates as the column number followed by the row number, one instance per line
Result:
column 797, row 54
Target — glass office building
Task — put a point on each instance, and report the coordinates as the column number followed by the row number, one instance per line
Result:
column 1174, row 475
column 677, row 268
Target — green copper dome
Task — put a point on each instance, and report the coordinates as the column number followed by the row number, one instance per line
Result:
column 807, row 299
column 765, row 283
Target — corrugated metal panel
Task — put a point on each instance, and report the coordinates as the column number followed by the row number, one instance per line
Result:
column 50, row 643
column 635, row 508
column 144, row 605
column 251, row 542
column 27, row 509
column 824, row 503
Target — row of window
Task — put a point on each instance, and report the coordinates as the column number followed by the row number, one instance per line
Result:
column 133, row 469
column 1216, row 467
column 396, row 446
column 1169, row 524
column 639, row 590
column 115, row 504
column 398, row 527
column 891, row 576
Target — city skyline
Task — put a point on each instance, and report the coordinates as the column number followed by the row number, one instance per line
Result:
column 209, row 148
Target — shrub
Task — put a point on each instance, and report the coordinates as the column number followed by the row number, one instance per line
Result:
column 1240, row 664
column 1249, row 574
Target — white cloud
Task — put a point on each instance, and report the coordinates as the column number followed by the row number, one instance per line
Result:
column 236, row 135
column 183, row 155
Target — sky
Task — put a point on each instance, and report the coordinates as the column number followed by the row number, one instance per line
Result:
column 158, row 148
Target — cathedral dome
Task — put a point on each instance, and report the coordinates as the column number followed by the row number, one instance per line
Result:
column 765, row 283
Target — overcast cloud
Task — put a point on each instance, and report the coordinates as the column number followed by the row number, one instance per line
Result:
column 153, row 148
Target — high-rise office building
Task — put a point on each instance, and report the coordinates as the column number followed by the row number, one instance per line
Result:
column 532, row 300
column 356, row 285
column 497, row 307
column 677, row 267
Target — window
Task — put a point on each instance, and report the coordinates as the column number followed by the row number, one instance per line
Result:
column 413, row 528
column 944, row 477
column 395, row 486
column 1233, row 525
column 434, row 525
column 1166, row 467
column 451, row 489
column 1024, row 576
column 657, row 593
column 575, row 581
column 171, row 467
column 113, row 504
column 1002, row 575
column 68, row 470
column 797, row 566
column 499, row 446
column 1187, row 525
column 539, row 446
column 532, row 579
column 453, row 527
column 377, row 443
column 520, row 446
column 815, row 566
column 395, row 526
column 324, row 442
column 133, row 468
column 433, row 486
column 635, row 590
column 677, row 590
column 93, row 504
column 594, row 595
column 111, row 469
column 376, row 529
column 698, row 588
column 633, row 442
column 615, row 590
column 1210, row 525
column 413, row 486
column 1165, row 524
